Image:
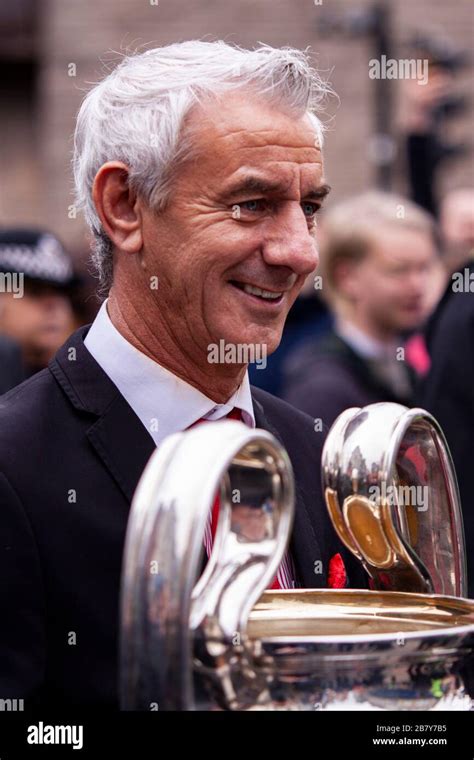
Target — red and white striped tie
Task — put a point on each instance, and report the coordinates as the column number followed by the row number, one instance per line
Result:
column 285, row 575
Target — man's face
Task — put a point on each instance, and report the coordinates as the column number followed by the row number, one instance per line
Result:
column 241, row 216
column 392, row 281
column 457, row 227
column 40, row 321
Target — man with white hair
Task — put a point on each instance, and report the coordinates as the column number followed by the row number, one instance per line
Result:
column 199, row 169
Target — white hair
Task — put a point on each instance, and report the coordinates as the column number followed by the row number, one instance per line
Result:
column 136, row 115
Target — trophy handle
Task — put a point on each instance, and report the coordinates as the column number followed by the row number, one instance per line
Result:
column 180, row 634
column 392, row 494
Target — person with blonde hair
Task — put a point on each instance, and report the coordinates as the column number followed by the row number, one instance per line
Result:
column 378, row 264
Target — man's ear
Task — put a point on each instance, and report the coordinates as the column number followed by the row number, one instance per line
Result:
column 118, row 207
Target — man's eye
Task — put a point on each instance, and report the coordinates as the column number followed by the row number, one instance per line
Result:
column 256, row 205
column 253, row 205
column 310, row 209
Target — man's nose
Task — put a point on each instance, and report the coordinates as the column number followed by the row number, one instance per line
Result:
column 290, row 242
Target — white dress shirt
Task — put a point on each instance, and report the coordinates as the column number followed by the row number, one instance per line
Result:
column 363, row 344
column 163, row 402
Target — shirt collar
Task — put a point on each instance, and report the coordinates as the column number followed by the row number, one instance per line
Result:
column 364, row 344
column 164, row 403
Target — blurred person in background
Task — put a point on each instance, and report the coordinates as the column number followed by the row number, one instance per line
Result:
column 457, row 228
column 378, row 258
column 457, row 240
column 448, row 390
column 426, row 115
column 419, row 112
column 36, row 277
column 11, row 365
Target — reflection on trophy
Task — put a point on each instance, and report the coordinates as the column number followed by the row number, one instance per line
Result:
column 219, row 640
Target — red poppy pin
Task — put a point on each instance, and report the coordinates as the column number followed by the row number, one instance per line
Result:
column 337, row 576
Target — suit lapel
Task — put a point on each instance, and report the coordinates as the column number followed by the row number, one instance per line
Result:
column 123, row 444
column 116, row 433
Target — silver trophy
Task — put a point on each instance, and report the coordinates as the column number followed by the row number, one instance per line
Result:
column 216, row 639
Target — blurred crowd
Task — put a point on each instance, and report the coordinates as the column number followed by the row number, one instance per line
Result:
column 389, row 316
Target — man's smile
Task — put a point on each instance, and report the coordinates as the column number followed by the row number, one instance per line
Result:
column 256, row 294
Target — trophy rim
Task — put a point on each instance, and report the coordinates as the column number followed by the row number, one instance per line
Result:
column 378, row 601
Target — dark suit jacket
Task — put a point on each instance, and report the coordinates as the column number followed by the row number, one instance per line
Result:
column 448, row 393
column 71, row 453
column 324, row 377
